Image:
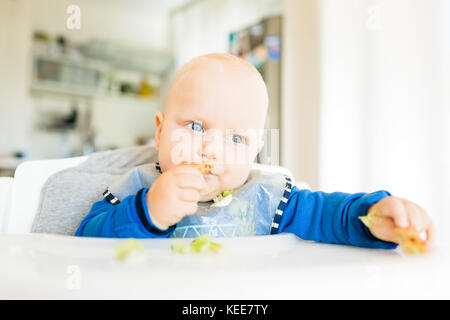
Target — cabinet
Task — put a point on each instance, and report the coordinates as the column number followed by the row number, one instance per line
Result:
column 260, row 44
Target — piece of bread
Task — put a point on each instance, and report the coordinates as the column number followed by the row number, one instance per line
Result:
column 205, row 166
column 410, row 241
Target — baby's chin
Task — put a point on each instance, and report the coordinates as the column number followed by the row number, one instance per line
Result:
column 212, row 188
column 208, row 195
column 206, row 198
column 216, row 185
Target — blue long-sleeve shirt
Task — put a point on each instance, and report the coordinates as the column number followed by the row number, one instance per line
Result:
column 319, row 216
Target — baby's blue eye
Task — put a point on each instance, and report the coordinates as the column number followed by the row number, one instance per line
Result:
column 237, row 138
column 196, row 126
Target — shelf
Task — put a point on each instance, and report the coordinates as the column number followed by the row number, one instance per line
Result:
column 131, row 99
column 45, row 87
column 127, row 56
column 98, row 71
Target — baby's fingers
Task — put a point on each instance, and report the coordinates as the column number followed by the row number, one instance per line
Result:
column 188, row 195
column 384, row 228
column 417, row 216
column 190, row 181
column 431, row 235
column 394, row 208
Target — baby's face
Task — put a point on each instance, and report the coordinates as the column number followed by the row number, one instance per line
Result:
column 215, row 111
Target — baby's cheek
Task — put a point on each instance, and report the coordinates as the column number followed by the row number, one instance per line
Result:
column 235, row 176
column 167, row 160
column 236, row 155
column 173, row 152
column 178, row 145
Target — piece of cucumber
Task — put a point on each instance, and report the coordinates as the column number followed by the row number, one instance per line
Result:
column 202, row 244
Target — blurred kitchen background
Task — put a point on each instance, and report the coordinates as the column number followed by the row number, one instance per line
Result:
column 359, row 89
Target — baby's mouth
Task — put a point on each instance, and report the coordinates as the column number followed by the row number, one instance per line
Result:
column 216, row 169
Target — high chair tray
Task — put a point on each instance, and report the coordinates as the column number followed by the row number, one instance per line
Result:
column 44, row 266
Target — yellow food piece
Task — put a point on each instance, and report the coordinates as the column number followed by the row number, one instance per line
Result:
column 410, row 242
column 204, row 166
column 368, row 219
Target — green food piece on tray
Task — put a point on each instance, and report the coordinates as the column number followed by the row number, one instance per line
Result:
column 180, row 247
column 202, row 244
column 131, row 248
column 215, row 247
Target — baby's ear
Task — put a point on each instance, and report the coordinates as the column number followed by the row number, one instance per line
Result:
column 159, row 119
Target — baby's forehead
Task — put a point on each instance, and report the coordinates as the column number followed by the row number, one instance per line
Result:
column 217, row 66
column 220, row 72
column 219, row 60
column 219, row 85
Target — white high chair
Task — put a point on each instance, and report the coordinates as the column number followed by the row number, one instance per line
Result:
column 19, row 197
column 6, row 184
column 22, row 201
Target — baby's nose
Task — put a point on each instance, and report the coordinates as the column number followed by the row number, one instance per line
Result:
column 212, row 147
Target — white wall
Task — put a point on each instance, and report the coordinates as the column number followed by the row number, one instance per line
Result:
column 300, row 104
column 344, row 83
column 15, row 107
column 384, row 106
column 443, row 205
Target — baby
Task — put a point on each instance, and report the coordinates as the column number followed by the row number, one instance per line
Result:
column 215, row 113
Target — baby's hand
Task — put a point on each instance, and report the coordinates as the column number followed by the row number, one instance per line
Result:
column 392, row 214
column 174, row 195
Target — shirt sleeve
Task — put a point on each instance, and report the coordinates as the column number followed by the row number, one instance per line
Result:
column 332, row 217
column 127, row 219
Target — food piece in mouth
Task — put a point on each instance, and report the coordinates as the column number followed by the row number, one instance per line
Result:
column 205, row 167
